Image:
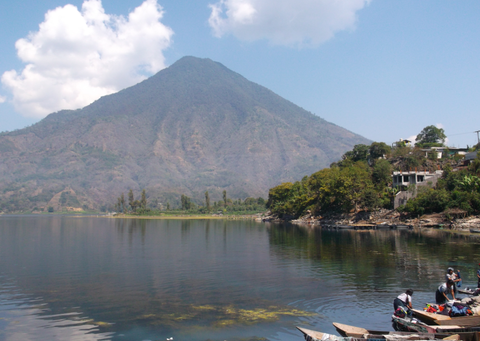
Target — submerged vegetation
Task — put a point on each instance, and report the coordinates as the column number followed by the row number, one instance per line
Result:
column 220, row 316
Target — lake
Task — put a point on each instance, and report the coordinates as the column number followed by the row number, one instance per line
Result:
column 81, row 278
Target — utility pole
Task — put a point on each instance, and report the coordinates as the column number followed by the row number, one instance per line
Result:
column 478, row 139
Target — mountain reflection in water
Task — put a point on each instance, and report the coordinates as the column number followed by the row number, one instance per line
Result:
column 71, row 278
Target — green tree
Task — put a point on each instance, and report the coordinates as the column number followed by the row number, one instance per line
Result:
column 431, row 136
column 469, row 183
column 371, row 199
column 183, row 202
column 131, row 200
column 186, row 203
column 359, row 153
column 225, row 198
column 136, row 205
column 278, row 197
column 430, row 201
column 378, row 150
column 122, row 202
column 143, row 201
column 382, row 173
column 207, row 201
column 360, row 180
column 120, row 205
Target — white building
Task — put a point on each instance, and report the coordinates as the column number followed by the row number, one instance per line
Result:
column 414, row 177
column 442, row 150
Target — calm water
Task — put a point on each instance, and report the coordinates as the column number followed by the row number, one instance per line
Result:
column 69, row 278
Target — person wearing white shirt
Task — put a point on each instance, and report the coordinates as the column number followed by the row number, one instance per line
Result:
column 403, row 300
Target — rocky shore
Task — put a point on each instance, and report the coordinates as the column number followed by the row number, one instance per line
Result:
column 385, row 219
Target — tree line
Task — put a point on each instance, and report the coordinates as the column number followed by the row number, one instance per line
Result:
column 187, row 205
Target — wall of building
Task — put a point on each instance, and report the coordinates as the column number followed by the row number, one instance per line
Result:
column 403, row 196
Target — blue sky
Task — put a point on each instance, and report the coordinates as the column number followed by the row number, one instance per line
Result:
column 382, row 69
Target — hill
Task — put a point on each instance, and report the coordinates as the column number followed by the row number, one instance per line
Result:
column 192, row 127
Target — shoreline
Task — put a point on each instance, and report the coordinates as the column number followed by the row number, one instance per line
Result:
column 185, row 217
column 382, row 219
column 391, row 220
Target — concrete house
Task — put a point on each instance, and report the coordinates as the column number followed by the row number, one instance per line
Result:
column 418, row 178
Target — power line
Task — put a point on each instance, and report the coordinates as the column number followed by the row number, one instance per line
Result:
column 470, row 132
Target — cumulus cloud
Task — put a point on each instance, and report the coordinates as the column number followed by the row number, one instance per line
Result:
column 284, row 22
column 78, row 56
column 411, row 138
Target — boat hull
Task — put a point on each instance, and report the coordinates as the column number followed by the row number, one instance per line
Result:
column 414, row 325
column 358, row 332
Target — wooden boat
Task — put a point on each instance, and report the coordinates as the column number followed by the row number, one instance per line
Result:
column 445, row 320
column 468, row 291
column 313, row 335
column 414, row 325
column 358, row 332
column 474, row 230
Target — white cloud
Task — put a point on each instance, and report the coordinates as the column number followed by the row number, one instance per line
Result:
column 2, row 99
column 412, row 139
column 284, row 22
column 78, row 56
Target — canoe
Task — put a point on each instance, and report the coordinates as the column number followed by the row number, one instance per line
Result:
column 430, row 318
column 313, row 335
column 409, row 324
column 358, row 332
column 468, row 291
column 445, row 320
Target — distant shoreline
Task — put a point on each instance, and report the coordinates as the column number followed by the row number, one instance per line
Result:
column 132, row 216
column 186, row 217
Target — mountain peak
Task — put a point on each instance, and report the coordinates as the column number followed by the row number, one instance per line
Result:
column 192, row 127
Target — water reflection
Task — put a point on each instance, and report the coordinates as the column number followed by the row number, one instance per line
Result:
column 22, row 317
column 218, row 280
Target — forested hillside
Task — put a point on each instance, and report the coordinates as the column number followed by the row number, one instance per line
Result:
column 362, row 181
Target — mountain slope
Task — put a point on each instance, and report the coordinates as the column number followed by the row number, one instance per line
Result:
column 192, row 127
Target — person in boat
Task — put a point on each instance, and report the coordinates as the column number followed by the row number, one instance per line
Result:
column 478, row 276
column 453, row 276
column 404, row 300
column 441, row 295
